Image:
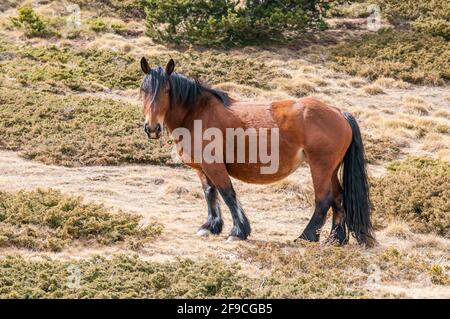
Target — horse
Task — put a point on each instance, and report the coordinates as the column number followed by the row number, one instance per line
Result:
column 309, row 131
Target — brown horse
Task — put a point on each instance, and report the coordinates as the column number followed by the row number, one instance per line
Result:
column 307, row 129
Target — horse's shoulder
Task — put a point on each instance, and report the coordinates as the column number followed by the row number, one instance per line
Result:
column 282, row 104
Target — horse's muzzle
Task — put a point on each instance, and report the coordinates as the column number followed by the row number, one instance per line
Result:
column 154, row 133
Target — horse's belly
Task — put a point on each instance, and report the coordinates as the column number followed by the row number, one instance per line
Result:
column 257, row 173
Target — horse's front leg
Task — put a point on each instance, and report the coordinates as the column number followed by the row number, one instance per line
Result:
column 218, row 175
column 214, row 222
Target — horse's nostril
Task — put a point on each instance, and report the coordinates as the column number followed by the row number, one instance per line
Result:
column 146, row 128
column 158, row 128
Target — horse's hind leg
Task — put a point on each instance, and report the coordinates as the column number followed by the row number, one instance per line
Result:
column 338, row 232
column 321, row 175
column 218, row 175
column 214, row 223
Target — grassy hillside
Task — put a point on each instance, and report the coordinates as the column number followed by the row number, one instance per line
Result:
column 69, row 96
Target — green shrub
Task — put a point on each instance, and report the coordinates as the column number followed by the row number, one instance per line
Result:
column 404, row 55
column 209, row 22
column 439, row 276
column 48, row 220
column 119, row 28
column 398, row 12
column 415, row 190
column 98, row 25
column 348, row 9
column 32, row 24
column 426, row 17
column 433, row 27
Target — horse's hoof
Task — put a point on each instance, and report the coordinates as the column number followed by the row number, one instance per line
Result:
column 203, row 233
column 233, row 238
column 331, row 242
column 334, row 241
column 308, row 236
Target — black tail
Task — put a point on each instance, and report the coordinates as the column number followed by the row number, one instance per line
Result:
column 356, row 188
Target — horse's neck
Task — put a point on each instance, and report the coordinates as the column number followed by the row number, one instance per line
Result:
column 175, row 117
column 180, row 115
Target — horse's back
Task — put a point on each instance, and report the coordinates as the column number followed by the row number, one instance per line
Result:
column 300, row 122
column 305, row 126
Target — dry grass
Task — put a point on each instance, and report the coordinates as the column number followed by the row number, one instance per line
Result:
column 442, row 113
column 48, row 220
column 183, row 192
column 435, row 142
column 381, row 149
column 356, row 82
column 416, row 105
column 296, row 87
column 372, row 89
column 124, row 9
column 399, row 229
column 430, row 241
column 413, row 126
column 8, row 4
column 389, row 83
column 439, row 275
column 293, row 191
column 444, row 154
column 240, row 91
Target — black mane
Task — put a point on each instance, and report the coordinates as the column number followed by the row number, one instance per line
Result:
column 183, row 90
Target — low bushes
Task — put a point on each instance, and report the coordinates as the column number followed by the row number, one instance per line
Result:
column 76, row 130
column 57, row 69
column 402, row 55
column 417, row 191
column 277, row 271
column 48, row 220
column 398, row 12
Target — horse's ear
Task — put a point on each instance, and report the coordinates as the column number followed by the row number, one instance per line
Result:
column 170, row 67
column 144, row 66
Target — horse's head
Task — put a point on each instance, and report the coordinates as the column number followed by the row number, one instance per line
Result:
column 156, row 90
